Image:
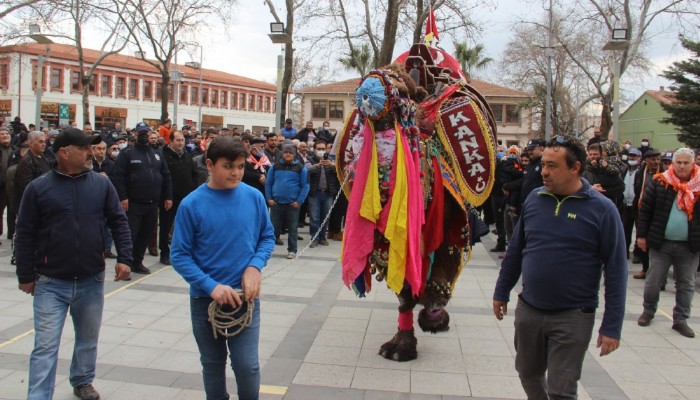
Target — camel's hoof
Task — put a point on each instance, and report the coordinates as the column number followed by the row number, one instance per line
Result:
column 402, row 347
column 434, row 321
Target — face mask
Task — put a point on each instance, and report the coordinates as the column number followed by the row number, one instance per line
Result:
column 190, row 146
column 320, row 153
column 633, row 163
column 115, row 154
column 645, row 144
column 628, row 146
column 624, row 157
column 123, row 145
column 142, row 139
column 51, row 142
column 115, row 135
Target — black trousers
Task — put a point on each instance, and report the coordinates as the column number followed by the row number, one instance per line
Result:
column 142, row 219
column 166, row 218
column 497, row 205
column 335, row 223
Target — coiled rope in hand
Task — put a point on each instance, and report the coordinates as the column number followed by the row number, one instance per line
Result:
column 224, row 323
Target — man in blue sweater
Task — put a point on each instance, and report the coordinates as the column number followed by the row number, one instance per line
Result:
column 285, row 190
column 568, row 235
column 214, row 260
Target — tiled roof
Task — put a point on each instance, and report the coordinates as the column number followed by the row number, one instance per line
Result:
column 662, row 95
column 70, row 53
column 349, row 86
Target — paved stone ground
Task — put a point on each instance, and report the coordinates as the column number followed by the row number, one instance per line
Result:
column 319, row 341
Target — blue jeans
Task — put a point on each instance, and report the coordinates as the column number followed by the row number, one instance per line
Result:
column 319, row 206
column 242, row 348
column 53, row 298
column 288, row 216
column 685, row 264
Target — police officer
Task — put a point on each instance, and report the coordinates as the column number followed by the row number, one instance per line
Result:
column 142, row 180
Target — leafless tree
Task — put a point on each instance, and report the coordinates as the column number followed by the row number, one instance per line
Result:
column 158, row 27
column 383, row 24
column 290, row 7
column 598, row 18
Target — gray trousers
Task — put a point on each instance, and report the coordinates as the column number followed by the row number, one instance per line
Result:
column 554, row 343
column 685, row 264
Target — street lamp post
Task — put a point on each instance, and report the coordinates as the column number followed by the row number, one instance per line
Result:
column 198, row 65
column 35, row 33
column 618, row 41
column 278, row 35
column 176, row 86
column 548, row 52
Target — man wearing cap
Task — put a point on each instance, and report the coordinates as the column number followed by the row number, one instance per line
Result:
column 257, row 164
column 285, row 190
column 142, row 179
column 667, row 158
column 288, row 131
column 650, row 167
column 645, row 146
column 66, row 271
column 669, row 229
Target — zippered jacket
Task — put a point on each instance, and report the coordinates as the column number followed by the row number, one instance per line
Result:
column 142, row 176
column 653, row 216
column 561, row 247
column 61, row 227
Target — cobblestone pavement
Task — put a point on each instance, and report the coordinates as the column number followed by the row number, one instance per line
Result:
column 319, row 341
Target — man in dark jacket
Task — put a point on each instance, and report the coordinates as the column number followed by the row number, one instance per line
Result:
column 650, row 167
column 555, row 312
column 6, row 150
column 67, row 270
column 604, row 175
column 32, row 165
column 257, row 163
column 308, row 134
column 323, row 187
column 183, row 177
column 532, row 176
column 142, row 179
column 669, row 230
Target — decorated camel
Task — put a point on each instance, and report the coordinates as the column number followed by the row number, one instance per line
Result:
column 419, row 154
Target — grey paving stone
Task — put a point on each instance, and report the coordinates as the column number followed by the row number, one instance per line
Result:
column 142, row 376
column 301, row 392
column 338, row 376
column 382, row 379
column 280, row 372
column 496, row 386
column 439, row 383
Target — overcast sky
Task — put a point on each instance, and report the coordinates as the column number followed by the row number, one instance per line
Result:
column 249, row 52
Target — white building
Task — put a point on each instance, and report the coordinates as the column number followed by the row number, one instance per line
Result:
column 127, row 89
column 332, row 102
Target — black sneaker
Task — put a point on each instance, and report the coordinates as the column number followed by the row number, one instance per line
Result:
column 140, row 269
column 110, row 255
column 645, row 319
column 86, row 392
column 279, row 242
column 165, row 260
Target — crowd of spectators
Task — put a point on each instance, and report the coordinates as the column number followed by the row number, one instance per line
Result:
column 155, row 168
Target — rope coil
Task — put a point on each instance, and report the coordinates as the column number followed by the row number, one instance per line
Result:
column 223, row 322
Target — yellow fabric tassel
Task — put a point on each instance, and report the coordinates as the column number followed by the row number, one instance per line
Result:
column 397, row 223
column 371, row 203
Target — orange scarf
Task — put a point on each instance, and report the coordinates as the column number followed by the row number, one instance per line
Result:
column 687, row 192
column 259, row 164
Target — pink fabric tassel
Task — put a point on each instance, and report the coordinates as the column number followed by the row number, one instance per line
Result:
column 359, row 232
column 414, row 270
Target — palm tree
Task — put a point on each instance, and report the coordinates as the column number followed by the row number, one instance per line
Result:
column 360, row 60
column 471, row 58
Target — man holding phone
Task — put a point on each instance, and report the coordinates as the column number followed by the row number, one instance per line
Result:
column 324, row 186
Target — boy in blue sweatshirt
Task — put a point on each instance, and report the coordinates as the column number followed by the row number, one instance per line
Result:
column 286, row 189
column 215, row 260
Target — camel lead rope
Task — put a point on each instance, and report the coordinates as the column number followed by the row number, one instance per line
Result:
column 221, row 321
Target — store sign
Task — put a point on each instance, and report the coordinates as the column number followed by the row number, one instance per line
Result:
column 63, row 114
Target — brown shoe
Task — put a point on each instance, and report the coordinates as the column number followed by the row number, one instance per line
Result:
column 640, row 275
column 153, row 252
column 684, row 330
column 86, row 392
column 323, row 242
column 645, row 319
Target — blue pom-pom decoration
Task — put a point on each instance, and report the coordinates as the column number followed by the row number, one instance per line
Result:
column 371, row 98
